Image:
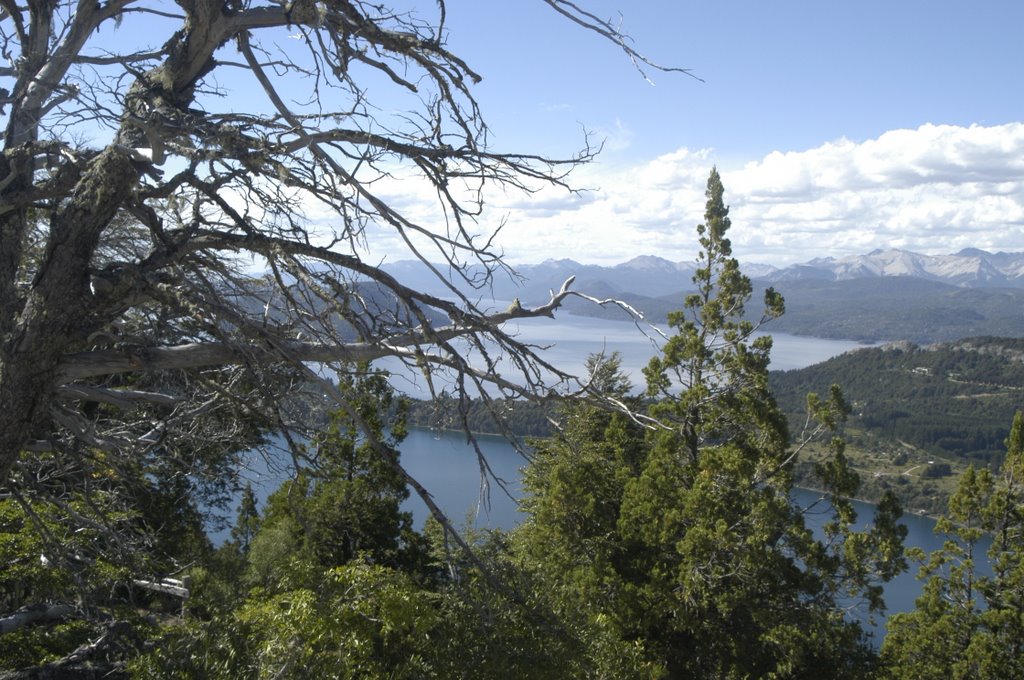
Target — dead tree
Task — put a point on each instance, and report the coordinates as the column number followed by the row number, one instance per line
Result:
column 158, row 250
column 171, row 266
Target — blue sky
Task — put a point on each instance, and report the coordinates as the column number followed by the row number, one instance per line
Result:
column 838, row 127
column 778, row 76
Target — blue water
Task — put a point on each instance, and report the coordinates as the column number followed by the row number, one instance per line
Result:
column 566, row 341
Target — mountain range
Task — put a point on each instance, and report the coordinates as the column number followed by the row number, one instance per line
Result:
column 883, row 295
column 652, row 276
column 970, row 267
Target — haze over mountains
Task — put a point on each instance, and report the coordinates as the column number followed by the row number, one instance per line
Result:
column 970, row 267
column 883, row 295
column 653, row 276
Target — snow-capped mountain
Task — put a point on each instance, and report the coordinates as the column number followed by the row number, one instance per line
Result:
column 653, row 264
column 970, row 267
column 646, row 275
column 651, row 276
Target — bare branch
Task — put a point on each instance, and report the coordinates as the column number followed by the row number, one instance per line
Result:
column 121, row 398
column 199, row 355
column 606, row 29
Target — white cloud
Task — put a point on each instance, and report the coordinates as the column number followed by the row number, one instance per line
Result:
column 897, row 159
column 935, row 189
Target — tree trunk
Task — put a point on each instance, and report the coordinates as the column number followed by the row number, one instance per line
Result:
column 59, row 312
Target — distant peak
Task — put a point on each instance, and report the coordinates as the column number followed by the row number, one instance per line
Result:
column 560, row 262
column 973, row 252
column 648, row 262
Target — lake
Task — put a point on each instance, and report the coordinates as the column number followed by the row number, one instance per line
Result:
column 568, row 340
column 444, row 465
column 571, row 339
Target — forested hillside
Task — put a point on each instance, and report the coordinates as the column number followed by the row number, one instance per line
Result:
column 519, row 418
column 955, row 399
column 898, row 308
column 870, row 310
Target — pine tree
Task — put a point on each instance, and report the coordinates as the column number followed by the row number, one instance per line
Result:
column 348, row 505
column 711, row 380
column 683, row 542
column 1004, row 592
column 570, row 541
column 967, row 623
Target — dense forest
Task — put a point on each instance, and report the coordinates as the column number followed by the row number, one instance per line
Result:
column 514, row 417
column 955, row 400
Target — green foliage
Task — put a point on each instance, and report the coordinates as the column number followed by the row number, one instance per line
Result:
column 88, row 529
column 36, row 645
column 354, row 621
column 952, row 400
column 968, row 624
column 62, row 553
column 680, row 542
column 514, row 629
column 937, row 470
column 711, row 380
column 570, row 542
column 361, row 620
column 332, row 570
column 26, row 574
column 277, row 541
column 27, row 577
column 349, row 505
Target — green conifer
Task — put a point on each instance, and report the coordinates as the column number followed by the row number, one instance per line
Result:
column 968, row 623
column 682, row 542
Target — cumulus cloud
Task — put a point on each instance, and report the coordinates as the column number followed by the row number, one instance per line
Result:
column 935, row 189
column 898, row 159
